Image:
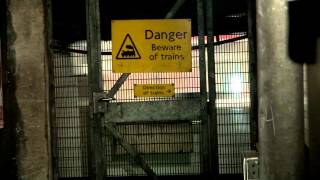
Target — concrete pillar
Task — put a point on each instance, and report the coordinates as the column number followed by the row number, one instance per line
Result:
column 280, row 96
column 27, row 64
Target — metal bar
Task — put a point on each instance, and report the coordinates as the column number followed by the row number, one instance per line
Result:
column 280, row 84
column 175, row 8
column 61, row 49
column 118, row 84
column 70, row 50
column 173, row 11
column 223, row 42
column 95, row 154
column 212, row 122
column 203, row 92
column 137, row 158
column 1, row 81
column 51, row 93
column 153, row 111
column 230, row 40
column 253, row 74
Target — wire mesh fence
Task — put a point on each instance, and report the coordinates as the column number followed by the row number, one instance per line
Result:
column 233, row 102
column 71, row 111
column 171, row 148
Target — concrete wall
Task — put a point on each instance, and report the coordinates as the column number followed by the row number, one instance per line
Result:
column 27, row 60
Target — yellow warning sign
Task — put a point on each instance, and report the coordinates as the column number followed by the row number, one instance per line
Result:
column 161, row 45
column 154, row 90
column 128, row 49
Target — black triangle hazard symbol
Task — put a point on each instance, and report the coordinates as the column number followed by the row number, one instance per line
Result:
column 128, row 49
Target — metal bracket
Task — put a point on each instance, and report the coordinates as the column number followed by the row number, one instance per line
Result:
column 100, row 102
column 251, row 168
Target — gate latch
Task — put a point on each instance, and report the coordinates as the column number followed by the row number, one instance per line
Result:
column 100, row 102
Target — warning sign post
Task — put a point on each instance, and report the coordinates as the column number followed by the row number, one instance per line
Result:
column 162, row 45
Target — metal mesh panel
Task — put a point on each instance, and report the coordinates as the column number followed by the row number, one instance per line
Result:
column 70, row 79
column 233, row 102
column 170, row 148
column 71, row 110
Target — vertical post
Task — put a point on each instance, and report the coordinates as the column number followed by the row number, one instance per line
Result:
column 26, row 89
column 253, row 73
column 280, row 94
column 53, row 154
column 204, row 147
column 313, row 86
column 212, row 122
column 1, row 70
column 96, row 168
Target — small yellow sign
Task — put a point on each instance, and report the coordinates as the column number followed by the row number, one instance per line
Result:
column 154, row 90
column 161, row 45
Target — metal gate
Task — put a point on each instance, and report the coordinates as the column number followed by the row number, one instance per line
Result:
column 99, row 129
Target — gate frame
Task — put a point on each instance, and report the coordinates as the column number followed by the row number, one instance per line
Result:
column 94, row 60
column 209, row 162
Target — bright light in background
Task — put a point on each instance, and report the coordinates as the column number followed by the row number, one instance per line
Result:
column 236, row 85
